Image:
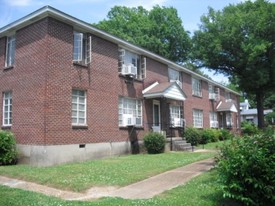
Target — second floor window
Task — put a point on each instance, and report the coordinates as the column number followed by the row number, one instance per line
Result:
column 196, row 87
column 82, row 48
column 227, row 95
column 175, row 76
column 132, row 64
column 10, row 51
column 7, row 108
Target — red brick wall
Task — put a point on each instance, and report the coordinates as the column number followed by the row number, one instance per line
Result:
column 43, row 78
column 26, row 80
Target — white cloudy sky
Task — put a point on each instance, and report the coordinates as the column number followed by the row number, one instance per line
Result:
column 93, row 11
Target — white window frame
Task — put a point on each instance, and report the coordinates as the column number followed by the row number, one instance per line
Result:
column 10, row 51
column 227, row 95
column 79, row 107
column 175, row 76
column 138, row 62
column 213, row 118
column 130, row 106
column 229, row 119
column 82, row 48
column 196, row 87
column 198, row 118
column 7, row 108
column 176, row 114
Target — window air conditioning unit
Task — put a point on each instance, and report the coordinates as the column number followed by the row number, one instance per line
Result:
column 177, row 122
column 214, row 124
column 129, row 70
column 212, row 96
column 128, row 120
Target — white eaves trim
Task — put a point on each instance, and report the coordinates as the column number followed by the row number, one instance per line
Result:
column 52, row 12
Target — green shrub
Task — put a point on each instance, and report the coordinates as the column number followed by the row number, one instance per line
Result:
column 154, row 143
column 246, row 169
column 8, row 154
column 225, row 134
column 249, row 128
column 193, row 135
column 210, row 135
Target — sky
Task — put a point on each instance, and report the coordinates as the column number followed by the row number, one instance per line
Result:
column 93, row 11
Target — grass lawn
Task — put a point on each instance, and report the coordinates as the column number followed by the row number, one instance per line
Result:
column 203, row 190
column 213, row 145
column 118, row 171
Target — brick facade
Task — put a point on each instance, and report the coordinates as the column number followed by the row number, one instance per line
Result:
column 44, row 75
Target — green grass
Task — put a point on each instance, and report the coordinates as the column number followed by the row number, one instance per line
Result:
column 203, row 190
column 213, row 145
column 118, row 171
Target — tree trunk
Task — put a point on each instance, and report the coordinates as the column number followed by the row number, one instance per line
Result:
column 260, row 109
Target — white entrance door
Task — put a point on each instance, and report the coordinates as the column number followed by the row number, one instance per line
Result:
column 156, row 116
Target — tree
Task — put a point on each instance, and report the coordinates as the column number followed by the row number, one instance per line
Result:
column 159, row 30
column 240, row 41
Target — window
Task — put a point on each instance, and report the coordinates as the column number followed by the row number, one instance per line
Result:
column 10, row 51
column 227, row 95
column 211, row 91
column 213, row 120
column 175, row 76
column 7, row 108
column 229, row 122
column 130, row 112
column 82, row 48
column 196, row 87
column 176, row 116
column 132, row 64
column 78, row 107
column 198, row 118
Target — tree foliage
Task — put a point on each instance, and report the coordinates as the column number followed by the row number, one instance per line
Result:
column 159, row 30
column 240, row 41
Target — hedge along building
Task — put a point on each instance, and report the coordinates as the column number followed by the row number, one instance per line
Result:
column 72, row 92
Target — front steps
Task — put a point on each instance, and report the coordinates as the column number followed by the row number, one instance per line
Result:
column 178, row 144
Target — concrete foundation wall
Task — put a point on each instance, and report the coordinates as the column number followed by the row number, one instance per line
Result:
column 56, row 154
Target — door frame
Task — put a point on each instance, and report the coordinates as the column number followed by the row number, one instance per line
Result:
column 156, row 127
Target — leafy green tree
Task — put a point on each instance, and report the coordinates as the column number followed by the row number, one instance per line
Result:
column 159, row 30
column 240, row 41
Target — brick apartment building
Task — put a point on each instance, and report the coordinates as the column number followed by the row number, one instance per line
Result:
column 72, row 92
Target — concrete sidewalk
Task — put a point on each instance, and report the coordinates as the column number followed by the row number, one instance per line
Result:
column 156, row 185
column 145, row 189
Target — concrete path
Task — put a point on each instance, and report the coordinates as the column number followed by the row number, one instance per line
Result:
column 156, row 185
column 141, row 190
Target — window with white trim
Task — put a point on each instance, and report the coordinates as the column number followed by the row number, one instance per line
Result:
column 10, row 51
column 129, row 111
column 229, row 121
column 82, row 49
column 79, row 107
column 197, row 118
column 227, row 95
column 132, row 64
column 176, row 116
column 213, row 118
column 7, row 108
column 196, row 87
column 175, row 76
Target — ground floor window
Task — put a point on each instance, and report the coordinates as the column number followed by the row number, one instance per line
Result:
column 176, row 116
column 229, row 122
column 79, row 112
column 7, row 108
column 198, row 118
column 213, row 117
column 129, row 111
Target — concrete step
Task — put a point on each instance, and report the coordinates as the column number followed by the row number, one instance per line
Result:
column 178, row 144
